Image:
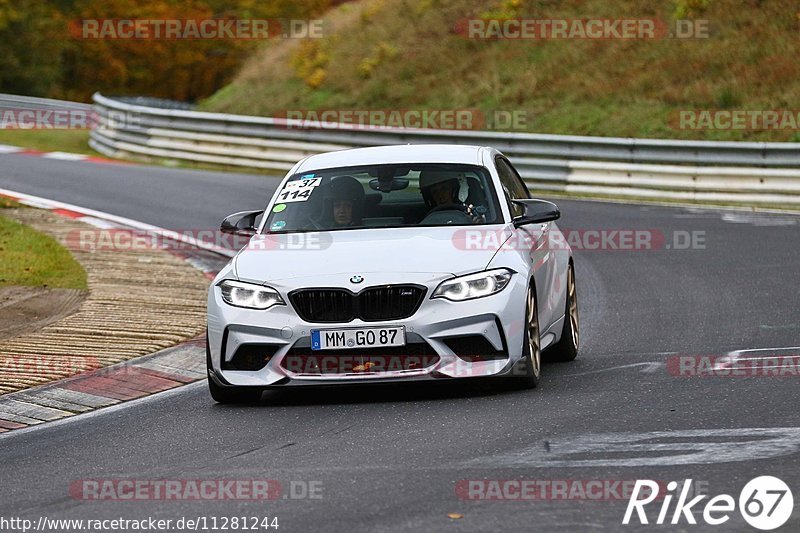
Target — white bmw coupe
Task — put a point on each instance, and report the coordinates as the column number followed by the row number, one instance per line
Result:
column 416, row 262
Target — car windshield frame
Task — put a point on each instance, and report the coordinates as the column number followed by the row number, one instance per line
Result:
column 494, row 213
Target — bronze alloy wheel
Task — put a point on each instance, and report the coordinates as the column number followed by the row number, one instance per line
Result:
column 567, row 347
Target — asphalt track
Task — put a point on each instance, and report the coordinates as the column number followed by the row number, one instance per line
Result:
column 390, row 458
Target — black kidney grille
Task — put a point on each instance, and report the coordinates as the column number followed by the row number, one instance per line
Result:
column 390, row 302
column 324, row 305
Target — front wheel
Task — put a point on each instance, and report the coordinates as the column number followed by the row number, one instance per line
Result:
column 530, row 366
column 567, row 347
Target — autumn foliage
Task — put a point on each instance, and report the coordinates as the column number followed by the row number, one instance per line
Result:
column 42, row 56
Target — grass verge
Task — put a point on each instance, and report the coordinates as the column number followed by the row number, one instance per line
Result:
column 31, row 258
column 72, row 141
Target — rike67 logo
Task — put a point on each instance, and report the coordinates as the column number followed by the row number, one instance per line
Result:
column 765, row 503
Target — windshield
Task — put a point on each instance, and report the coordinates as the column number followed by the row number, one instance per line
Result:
column 385, row 196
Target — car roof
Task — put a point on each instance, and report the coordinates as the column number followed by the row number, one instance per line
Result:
column 404, row 153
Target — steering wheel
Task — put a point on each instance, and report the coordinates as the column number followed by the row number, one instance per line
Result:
column 449, row 207
column 446, row 214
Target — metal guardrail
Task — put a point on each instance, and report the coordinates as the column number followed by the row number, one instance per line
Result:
column 13, row 101
column 149, row 101
column 747, row 172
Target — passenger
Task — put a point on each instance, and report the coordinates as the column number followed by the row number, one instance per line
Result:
column 344, row 201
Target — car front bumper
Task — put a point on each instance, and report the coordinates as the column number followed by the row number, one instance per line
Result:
column 498, row 318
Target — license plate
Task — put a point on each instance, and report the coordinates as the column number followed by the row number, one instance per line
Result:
column 343, row 339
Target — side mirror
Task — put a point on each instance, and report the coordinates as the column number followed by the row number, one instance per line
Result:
column 242, row 223
column 535, row 212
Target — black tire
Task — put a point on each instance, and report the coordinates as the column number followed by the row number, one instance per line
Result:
column 567, row 348
column 526, row 374
column 229, row 394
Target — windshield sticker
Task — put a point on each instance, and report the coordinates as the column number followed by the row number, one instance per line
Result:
column 278, row 208
column 277, row 225
column 303, row 183
column 307, row 177
column 298, row 191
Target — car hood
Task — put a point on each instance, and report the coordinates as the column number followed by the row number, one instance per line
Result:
column 440, row 250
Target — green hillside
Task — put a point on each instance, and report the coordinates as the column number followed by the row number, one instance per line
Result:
column 398, row 54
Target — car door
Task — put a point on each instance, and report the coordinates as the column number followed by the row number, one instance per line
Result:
column 542, row 259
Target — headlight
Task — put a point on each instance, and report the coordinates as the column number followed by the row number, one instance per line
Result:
column 474, row 285
column 249, row 295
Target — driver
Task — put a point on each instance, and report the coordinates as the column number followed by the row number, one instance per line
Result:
column 344, row 202
column 439, row 188
column 444, row 188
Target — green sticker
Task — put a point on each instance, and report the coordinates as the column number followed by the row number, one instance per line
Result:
column 278, row 208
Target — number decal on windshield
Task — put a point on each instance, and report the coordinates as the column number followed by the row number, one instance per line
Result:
column 298, row 191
